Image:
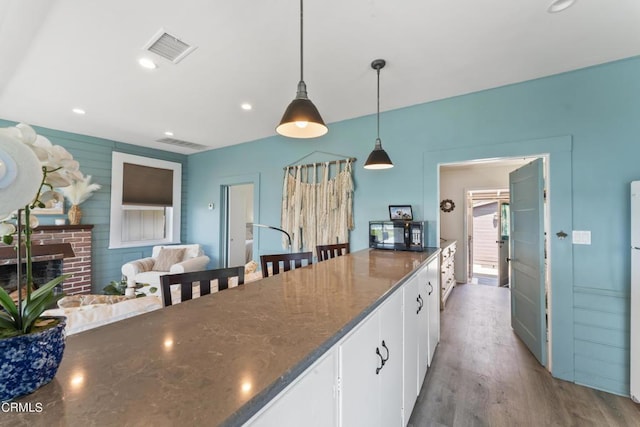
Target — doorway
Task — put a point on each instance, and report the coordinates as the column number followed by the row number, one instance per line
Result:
column 238, row 209
column 482, row 230
column 487, row 222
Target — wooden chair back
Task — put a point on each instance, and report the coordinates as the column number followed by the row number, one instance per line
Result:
column 203, row 278
column 286, row 259
column 325, row 252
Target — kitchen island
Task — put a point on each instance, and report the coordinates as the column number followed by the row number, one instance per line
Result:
column 219, row 359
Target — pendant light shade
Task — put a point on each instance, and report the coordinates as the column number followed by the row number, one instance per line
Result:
column 378, row 159
column 301, row 118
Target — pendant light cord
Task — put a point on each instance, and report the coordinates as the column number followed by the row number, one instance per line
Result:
column 301, row 49
column 378, row 116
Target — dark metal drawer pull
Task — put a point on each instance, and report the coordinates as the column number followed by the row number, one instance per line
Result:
column 386, row 348
column 379, row 368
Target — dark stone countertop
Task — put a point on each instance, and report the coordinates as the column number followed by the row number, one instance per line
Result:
column 217, row 359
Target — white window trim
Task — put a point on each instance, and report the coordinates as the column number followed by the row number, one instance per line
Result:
column 115, row 231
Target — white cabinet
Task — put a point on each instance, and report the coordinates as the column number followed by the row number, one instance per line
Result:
column 309, row 401
column 429, row 326
column 433, row 294
column 415, row 320
column 447, row 271
column 423, row 325
column 371, row 369
column 373, row 375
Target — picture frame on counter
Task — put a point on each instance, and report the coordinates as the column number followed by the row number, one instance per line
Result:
column 400, row 213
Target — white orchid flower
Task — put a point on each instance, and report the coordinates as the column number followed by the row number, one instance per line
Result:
column 58, row 179
column 6, row 228
column 60, row 169
column 27, row 134
column 70, row 165
column 58, row 154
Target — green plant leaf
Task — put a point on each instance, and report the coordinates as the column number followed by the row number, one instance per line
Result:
column 33, row 311
column 38, row 302
column 8, row 333
column 7, row 239
column 153, row 289
column 5, row 315
column 48, row 287
column 7, row 303
column 110, row 290
column 7, row 322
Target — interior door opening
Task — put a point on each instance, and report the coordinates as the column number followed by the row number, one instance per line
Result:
column 238, row 224
column 482, row 188
column 488, row 235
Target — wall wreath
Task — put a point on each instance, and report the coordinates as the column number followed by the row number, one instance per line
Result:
column 447, row 205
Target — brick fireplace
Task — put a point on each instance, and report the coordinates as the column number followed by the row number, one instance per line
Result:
column 77, row 264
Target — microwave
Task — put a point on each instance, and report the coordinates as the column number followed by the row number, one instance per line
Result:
column 398, row 235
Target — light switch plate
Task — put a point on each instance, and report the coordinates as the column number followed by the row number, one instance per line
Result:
column 581, row 237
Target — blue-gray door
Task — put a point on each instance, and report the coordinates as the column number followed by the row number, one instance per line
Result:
column 528, row 318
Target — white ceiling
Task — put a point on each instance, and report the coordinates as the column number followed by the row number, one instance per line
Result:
column 57, row 55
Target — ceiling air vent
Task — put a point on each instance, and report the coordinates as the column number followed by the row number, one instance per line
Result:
column 181, row 143
column 169, row 46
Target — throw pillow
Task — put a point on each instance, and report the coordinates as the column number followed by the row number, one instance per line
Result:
column 250, row 267
column 167, row 257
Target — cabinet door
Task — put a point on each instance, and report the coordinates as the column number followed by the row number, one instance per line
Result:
column 423, row 326
column 359, row 382
column 310, row 401
column 433, row 275
column 411, row 309
column 390, row 343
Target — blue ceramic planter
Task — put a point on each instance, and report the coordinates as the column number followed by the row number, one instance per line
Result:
column 28, row 362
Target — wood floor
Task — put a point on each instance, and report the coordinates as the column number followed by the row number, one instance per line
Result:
column 482, row 375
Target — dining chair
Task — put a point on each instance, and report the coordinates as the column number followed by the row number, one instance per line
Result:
column 325, row 252
column 287, row 259
column 202, row 278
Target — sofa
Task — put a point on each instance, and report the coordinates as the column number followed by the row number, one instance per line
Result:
column 166, row 259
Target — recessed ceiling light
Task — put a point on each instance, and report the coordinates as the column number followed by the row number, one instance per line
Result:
column 147, row 63
column 560, row 5
column 168, row 133
column 79, row 111
column 246, row 106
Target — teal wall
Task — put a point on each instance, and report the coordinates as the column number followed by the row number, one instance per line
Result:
column 94, row 155
column 586, row 122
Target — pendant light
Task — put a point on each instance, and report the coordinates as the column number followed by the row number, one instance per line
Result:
column 301, row 118
column 378, row 159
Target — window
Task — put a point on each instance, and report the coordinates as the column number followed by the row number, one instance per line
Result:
column 145, row 201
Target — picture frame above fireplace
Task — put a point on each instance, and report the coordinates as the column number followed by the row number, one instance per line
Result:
column 58, row 209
